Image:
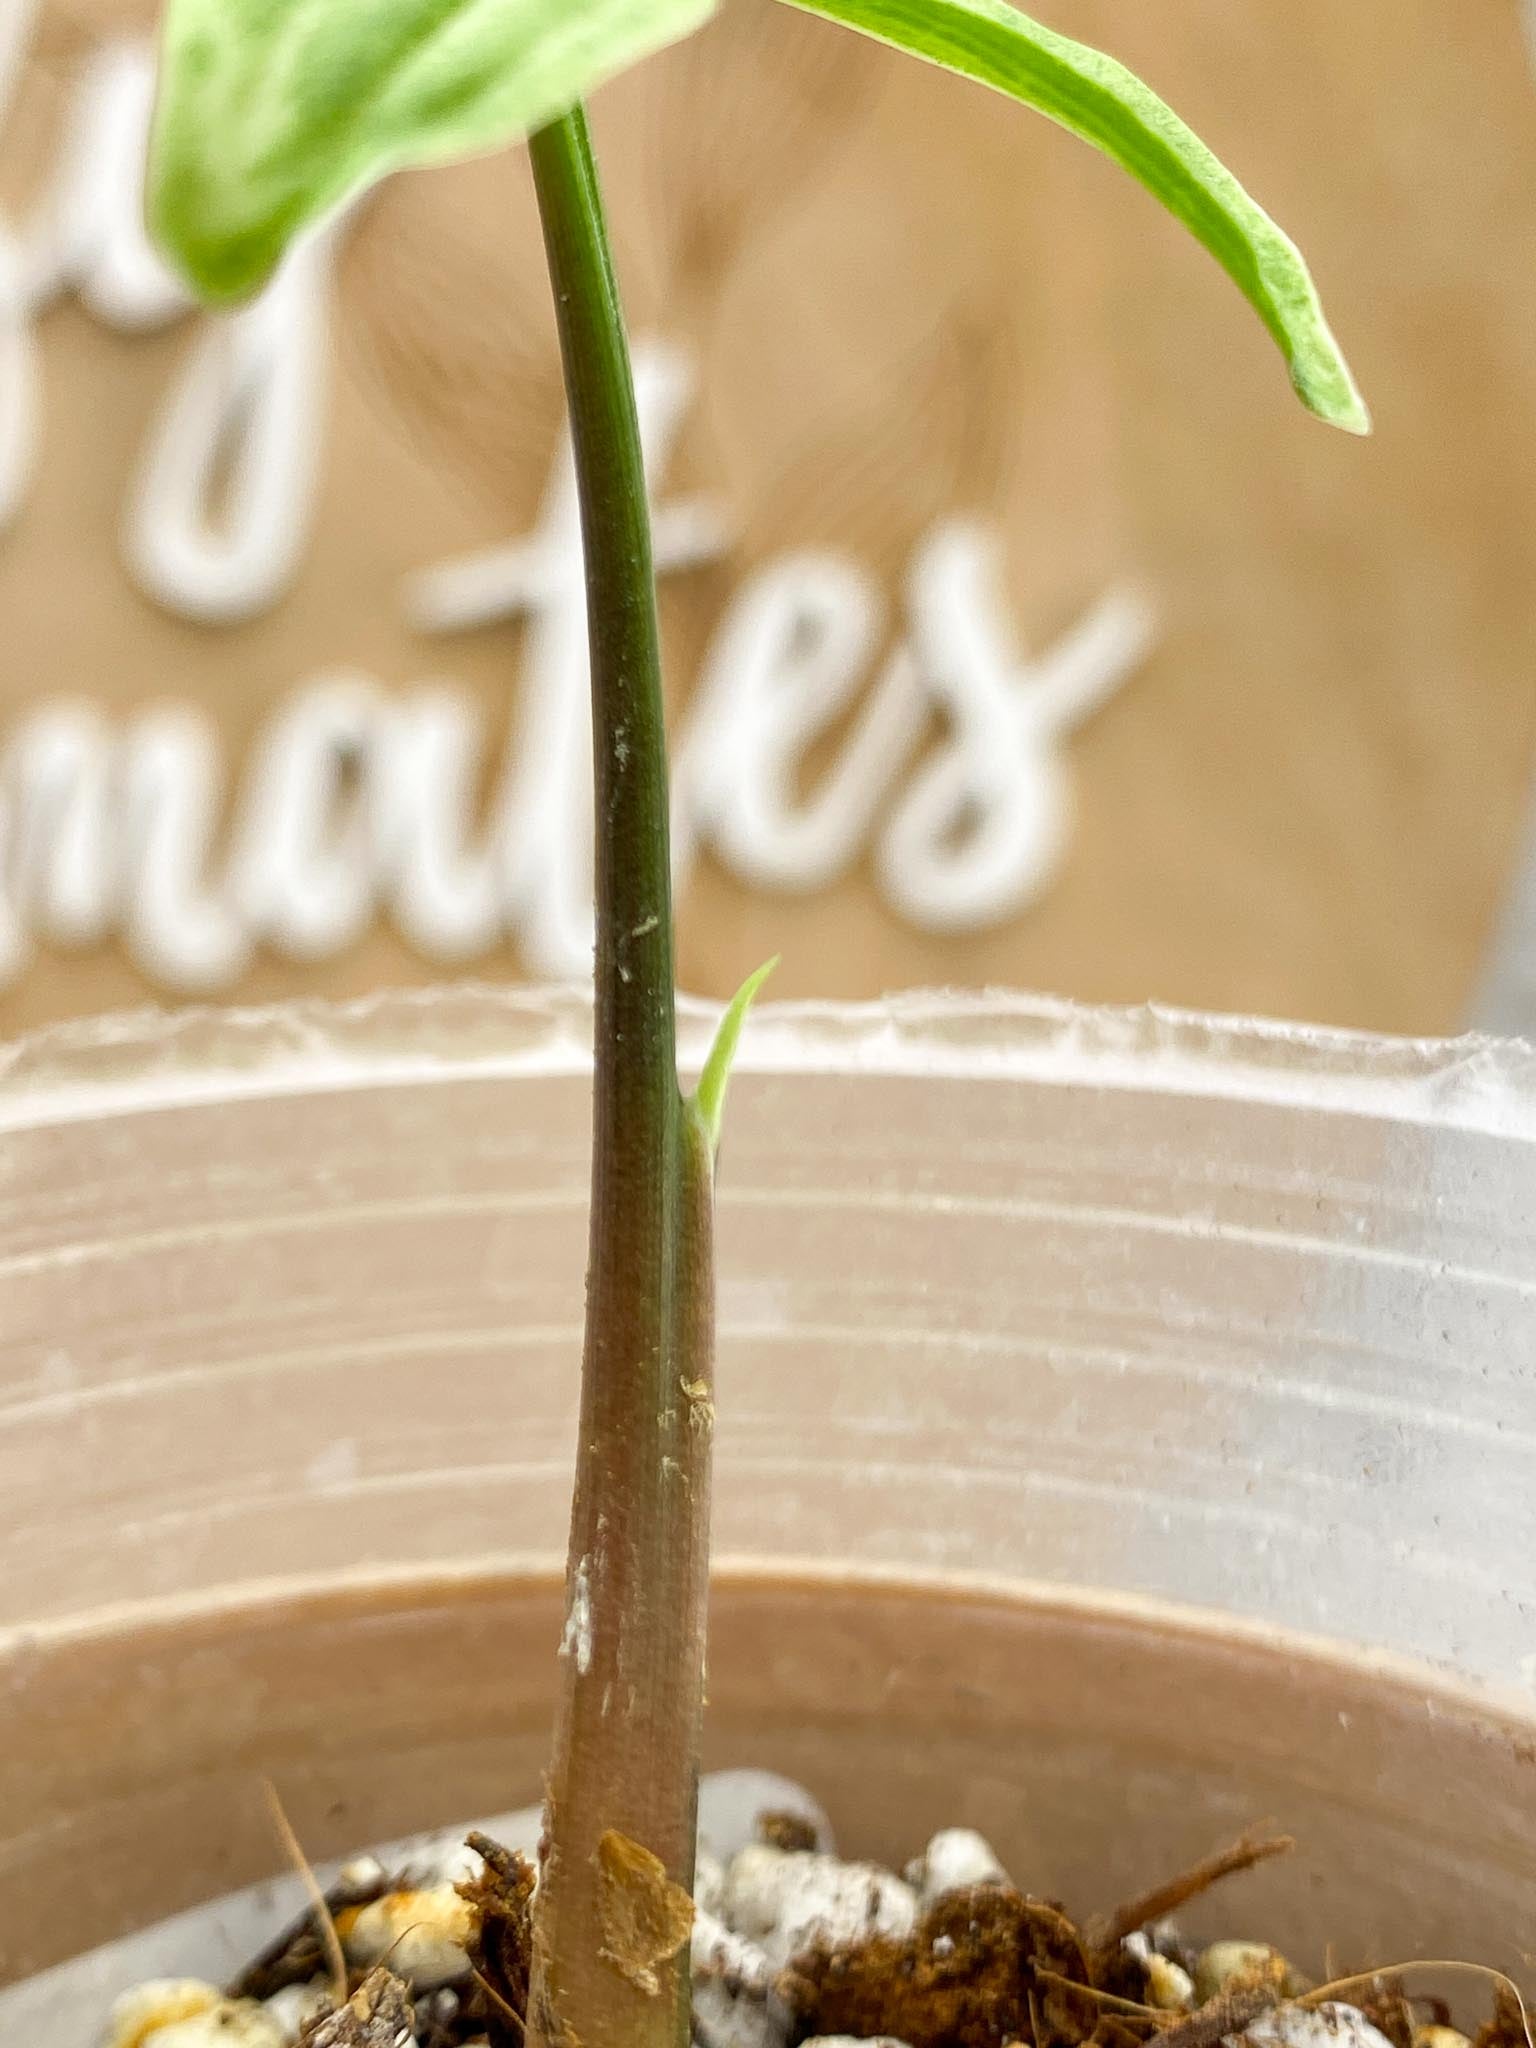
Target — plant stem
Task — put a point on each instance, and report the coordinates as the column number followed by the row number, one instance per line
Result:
column 626, row 1740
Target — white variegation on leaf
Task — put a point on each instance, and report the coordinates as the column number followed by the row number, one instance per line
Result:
column 1098, row 99
column 273, row 112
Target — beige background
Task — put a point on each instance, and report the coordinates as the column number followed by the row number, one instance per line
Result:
column 907, row 299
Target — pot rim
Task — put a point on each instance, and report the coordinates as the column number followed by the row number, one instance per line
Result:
column 130, row 1062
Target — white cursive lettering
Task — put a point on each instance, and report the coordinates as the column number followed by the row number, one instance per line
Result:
column 358, row 798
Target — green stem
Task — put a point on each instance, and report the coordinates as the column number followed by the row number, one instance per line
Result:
column 626, row 1741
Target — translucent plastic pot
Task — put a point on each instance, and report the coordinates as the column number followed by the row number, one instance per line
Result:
column 1125, row 1433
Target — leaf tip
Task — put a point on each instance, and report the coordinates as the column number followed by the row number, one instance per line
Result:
column 708, row 1099
column 1332, row 395
column 1320, row 372
column 223, row 259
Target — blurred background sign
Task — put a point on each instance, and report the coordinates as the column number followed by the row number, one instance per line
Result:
column 1021, row 629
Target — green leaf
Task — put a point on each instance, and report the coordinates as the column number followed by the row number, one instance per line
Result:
column 1105, row 104
column 708, row 1099
column 272, row 112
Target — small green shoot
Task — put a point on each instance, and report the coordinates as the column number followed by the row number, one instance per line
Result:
column 708, row 1098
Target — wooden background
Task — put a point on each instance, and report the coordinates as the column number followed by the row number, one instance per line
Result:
column 908, row 299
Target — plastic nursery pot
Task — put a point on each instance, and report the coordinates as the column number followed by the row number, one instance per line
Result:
column 1125, row 1435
